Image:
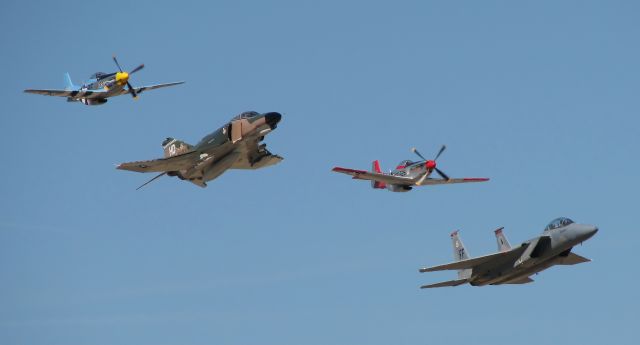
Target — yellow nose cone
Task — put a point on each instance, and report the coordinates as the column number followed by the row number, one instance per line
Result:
column 122, row 78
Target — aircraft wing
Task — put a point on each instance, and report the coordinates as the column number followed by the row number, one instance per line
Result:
column 156, row 86
column 572, row 259
column 513, row 254
column 73, row 94
column 373, row 176
column 434, row 181
column 175, row 163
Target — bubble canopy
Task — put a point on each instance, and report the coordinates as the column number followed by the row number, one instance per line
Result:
column 245, row 115
column 558, row 223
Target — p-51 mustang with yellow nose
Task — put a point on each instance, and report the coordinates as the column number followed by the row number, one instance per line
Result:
column 101, row 86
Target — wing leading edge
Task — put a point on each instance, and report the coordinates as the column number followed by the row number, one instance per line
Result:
column 175, row 163
column 372, row 176
column 513, row 254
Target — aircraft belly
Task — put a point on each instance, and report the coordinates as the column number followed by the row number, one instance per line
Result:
column 217, row 168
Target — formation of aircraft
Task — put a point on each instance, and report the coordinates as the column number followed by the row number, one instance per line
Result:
column 407, row 174
column 235, row 145
column 514, row 265
column 100, row 87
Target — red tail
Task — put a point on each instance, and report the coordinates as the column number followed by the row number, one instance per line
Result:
column 377, row 184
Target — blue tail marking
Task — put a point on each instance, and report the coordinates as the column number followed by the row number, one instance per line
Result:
column 68, row 84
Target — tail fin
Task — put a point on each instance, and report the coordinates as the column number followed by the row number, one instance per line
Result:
column 375, row 167
column 173, row 147
column 503, row 243
column 68, row 84
column 459, row 254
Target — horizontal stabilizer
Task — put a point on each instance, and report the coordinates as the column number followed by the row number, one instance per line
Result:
column 572, row 259
column 447, row 283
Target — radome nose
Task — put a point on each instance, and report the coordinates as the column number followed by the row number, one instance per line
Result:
column 272, row 118
column 587, row 232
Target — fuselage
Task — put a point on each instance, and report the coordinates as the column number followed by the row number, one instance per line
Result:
column 554, row 244
column 410, row 169
column 229, row 147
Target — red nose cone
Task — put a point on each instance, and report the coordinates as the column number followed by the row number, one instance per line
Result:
column 430, row 164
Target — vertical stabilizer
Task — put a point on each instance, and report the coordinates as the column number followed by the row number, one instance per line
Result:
column 375, row 167
column 459, row 254
column 173, row 147
column 501, row 239
column 68, row 84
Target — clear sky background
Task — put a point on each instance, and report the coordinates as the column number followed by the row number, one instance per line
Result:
column 542, row 97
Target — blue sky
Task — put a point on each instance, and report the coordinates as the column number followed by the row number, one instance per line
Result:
column 539, row 96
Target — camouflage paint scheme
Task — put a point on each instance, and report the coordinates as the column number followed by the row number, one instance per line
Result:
column 515, row 265
column 100, row 87
column 235, row 145
column 406, row 175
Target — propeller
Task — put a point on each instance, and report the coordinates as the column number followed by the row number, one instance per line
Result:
column 431, row 165
column 124, row 77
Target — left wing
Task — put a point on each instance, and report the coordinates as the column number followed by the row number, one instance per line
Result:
column 152, row 87
column 175, row 163
column 73, row 94
column 373, row 176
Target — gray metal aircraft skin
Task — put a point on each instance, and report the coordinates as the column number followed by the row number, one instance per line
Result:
column 407, row 174
column 100, row 87
column 235, row 145
column 514, row 265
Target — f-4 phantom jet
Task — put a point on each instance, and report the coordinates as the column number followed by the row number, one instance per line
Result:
column 514, row 265
column 236, row 145
column 100, row 86
column 406, row 175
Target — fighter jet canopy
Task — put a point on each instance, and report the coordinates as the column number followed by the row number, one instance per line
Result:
column 245, row 115
column 558, row 223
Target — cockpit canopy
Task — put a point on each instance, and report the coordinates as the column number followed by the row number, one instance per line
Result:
column 98, row 75
column 558, row 223
column 245, row 115
column 404, row 163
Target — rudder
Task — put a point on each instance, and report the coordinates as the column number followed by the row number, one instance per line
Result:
column 68, row 84
column 173, row 147
column 501, row 239
column 375, row 167
column 459, row 254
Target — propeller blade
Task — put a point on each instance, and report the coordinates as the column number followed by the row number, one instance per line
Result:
column 136, row 69
column 421, row 180
column 132, row 91
column 414, row 150
column 117, row 64
column 440, row 152
column 153, row 179
column 443, row 175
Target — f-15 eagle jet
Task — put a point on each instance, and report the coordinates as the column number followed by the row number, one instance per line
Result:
column 235, row 145
column 514, row 265
column 100, row 86
column 406, row 175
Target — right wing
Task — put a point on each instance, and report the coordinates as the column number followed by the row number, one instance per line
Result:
column 73, row 94
column 572, row 259
column 175, row 163
column 513, row 254
column 373, row 176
